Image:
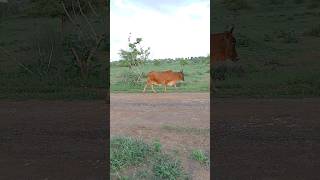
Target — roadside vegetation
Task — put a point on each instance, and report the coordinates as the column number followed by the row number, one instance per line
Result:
column 278, row 45
column 196, row 70
column 133, row 159
column 53, row 49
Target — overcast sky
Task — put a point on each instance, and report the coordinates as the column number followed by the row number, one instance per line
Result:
column 179, row 28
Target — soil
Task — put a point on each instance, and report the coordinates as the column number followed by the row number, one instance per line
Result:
column 266, row 139
column 53, row 140
column 173, row 118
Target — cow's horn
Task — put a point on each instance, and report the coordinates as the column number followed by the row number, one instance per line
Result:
column 231, row 30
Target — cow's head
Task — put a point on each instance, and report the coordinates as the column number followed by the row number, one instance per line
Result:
column 182, row 75
column 231, row 45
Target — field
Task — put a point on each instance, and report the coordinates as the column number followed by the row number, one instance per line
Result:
column 266, row 108
column 36, row 64
column 197, row 76
column 278, row 45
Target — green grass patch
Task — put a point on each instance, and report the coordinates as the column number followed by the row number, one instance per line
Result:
column 133, row 159
column 200, row 156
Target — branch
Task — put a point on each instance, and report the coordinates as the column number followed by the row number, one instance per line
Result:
column 92, row 9
column 76, row 56
column 50, row 57
column 88, row 22
column 95, row 48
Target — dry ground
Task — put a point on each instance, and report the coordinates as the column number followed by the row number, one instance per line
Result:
column 173, row 118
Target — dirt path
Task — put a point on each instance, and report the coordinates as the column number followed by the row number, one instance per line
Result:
column 180, row 121
column 253, row 139
column 266, row 139
column 53, row 140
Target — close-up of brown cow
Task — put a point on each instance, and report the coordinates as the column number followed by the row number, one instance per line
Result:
column 223, row 46
column 165, row 78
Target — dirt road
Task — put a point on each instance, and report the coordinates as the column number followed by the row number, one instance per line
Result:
column 253, row 139
column 180, row 121
column 266, row 139
column 53, row 140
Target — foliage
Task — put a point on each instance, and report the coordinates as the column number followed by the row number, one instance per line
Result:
column 127, row 151
column 200, row 156
column 148, row 162
column 135, row 57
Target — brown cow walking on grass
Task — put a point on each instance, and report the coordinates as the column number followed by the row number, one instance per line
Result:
column 222, row 47
column 165, row 78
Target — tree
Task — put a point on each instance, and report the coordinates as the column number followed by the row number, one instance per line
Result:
column 135, row 57
column 83, row 42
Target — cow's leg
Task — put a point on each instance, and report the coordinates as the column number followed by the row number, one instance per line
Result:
column 145, row 87
column 165, row 88
column 175, row 86
column 153, row 89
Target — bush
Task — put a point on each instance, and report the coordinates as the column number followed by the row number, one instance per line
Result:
column 157, row 62
column 166, row 167
column 132, row 78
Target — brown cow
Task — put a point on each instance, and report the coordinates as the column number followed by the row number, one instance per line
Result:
column 164, row 78
column 223, row 46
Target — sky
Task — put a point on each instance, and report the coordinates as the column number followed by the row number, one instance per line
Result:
column 172, row 29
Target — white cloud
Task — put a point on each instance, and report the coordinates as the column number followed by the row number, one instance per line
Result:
column 180, row 31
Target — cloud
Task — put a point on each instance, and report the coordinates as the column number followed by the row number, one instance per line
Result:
column 174, row 30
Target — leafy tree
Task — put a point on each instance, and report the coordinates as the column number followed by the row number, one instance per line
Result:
column 135, row 57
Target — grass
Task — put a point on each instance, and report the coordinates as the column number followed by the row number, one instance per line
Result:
column 277, row 42
column 133, row 159
column 200, row 156
column 197, row 77
column 22, row 36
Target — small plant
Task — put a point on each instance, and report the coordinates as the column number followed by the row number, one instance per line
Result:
column 166, row 167
column 127, row 151
column 157, row 146
column 199, row 156
column 183, row 62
